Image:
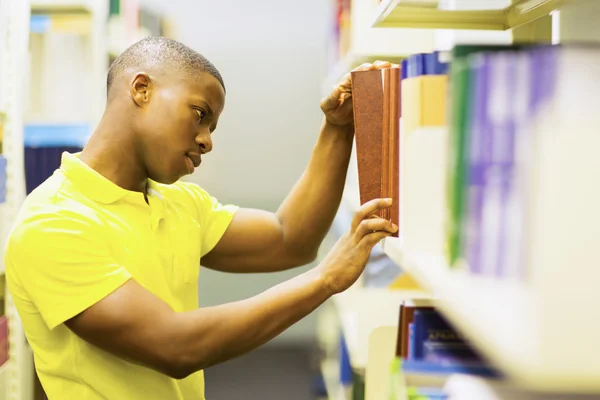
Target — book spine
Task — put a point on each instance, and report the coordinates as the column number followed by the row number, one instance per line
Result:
column 3, row 340
column 385, row 144
column 497, row 110
column 411, row 341
column 394, row 146
column 459, row 113
column 513, row 190
column 476, row 143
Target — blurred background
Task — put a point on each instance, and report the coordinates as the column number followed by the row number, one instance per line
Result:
column 278, row 59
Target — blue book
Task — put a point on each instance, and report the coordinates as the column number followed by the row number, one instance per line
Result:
column 430, row 326
column 433, row 65
column 416, row 65
column 404, row 71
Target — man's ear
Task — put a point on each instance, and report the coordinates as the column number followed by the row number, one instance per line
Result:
column 139, row 88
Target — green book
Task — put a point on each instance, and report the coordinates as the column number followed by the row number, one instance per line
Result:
column 114, row 7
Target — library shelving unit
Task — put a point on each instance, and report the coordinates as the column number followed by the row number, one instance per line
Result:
column 484, row 15
column 360, row 43
column 16, row 376
column 540, row 332
column 74, row 30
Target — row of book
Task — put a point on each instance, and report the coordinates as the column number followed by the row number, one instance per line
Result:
column 428, row 351
column 499, row 93
column 494, row 101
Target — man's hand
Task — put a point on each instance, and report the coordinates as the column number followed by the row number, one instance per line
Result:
column 347, row 259
column 338, row 106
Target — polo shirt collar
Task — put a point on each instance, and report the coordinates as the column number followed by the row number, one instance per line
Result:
column 91, row 183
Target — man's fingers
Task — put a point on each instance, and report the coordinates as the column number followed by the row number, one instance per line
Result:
column 373, row 238
column 382, row 64
column 368, row 209
column 376, row 65
column 371, row 225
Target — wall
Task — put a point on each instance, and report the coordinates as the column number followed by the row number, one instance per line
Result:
column 272, row 57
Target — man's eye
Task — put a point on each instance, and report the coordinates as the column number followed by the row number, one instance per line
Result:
column 201, row 114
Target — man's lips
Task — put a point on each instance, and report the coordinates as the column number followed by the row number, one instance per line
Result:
column 196, row 159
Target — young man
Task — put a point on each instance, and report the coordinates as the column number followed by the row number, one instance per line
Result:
column 103, row 261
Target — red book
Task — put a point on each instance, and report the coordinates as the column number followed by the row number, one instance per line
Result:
column 376, row 102
column 3, row 339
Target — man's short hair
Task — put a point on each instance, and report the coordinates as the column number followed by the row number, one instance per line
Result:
column 168, row 54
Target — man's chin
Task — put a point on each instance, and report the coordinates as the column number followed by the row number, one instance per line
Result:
column 166, row 180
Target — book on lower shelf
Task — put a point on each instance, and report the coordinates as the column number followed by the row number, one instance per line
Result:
column 429, row 350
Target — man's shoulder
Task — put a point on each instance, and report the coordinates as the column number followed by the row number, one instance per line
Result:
column 51, row 205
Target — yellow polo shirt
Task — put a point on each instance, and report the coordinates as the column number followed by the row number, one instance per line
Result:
column 77, row 238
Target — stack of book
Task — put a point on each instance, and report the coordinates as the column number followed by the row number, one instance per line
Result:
column 429, row 350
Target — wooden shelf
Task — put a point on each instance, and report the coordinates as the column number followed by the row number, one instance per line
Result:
column 62, row 6
column 502, row 319
column 496, row 16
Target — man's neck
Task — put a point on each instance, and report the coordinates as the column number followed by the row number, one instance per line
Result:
column 114, row 156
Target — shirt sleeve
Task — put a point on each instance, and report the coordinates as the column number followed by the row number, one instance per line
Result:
column 64, row 264
column 213, row 217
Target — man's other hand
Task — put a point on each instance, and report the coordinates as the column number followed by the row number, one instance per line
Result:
column 337, row 106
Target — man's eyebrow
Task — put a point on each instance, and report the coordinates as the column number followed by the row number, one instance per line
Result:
column 206, row 104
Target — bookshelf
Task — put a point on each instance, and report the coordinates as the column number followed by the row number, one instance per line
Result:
column 362, row 310
column 70, row 6
column 536, row 330
column 74, row 30
column 18, row 372
column 467, row 14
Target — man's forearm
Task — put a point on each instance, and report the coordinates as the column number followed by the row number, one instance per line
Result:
column 209, row 336
column 308, row 211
